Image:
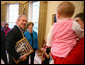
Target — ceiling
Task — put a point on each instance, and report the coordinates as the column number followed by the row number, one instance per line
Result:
column 22, row 2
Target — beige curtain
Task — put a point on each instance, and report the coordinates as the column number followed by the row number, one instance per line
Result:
column 42, row 22
column 26, row 7
column 3, row 12
column 21, row 7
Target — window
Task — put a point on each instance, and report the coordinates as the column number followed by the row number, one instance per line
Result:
column 12, row 14
column 33, row 15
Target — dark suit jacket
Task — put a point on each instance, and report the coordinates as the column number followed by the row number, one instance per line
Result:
column 13, row 36
column 3, row 41
column 3, row 47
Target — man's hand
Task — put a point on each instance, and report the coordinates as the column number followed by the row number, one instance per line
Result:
column 24, row 57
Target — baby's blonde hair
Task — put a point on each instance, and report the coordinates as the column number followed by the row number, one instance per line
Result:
column 66, row 9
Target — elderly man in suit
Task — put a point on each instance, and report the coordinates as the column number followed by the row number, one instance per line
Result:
column 14, row 36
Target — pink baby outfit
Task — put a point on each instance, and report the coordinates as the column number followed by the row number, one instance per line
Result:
column 63, row 38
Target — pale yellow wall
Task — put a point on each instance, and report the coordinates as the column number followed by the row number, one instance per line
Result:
column 51, row 9
column 3, row 12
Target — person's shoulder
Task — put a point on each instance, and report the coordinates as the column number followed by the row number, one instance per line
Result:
column 11, row 33
column 26, row 32
column 9, row 28
column 12, row 30
column 70, row 21
column 2, row 30
column 34, row 32
column 55, row 24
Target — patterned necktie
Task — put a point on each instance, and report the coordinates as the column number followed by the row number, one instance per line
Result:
column 22, row 32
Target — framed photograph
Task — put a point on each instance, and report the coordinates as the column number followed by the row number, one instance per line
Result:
column 53, row 18
column 23, row 47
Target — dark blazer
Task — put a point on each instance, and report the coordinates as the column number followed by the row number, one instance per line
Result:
column 3, row 47
column 13, row 36
column 3, row 41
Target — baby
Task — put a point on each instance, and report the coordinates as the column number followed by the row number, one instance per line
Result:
column 62, row 36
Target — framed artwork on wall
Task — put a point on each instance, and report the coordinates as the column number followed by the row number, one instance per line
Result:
column 53, row 18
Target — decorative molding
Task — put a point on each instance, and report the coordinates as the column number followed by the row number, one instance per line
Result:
column 12, row 2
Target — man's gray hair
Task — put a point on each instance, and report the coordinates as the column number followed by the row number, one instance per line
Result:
column 19, row 17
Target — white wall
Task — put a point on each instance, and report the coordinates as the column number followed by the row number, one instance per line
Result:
column 51, row 9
